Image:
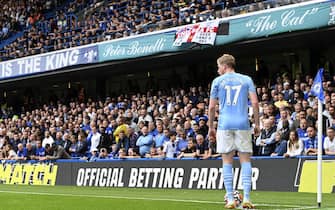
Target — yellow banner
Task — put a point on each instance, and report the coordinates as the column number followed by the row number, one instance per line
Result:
column 28, row 174
column 308, row 178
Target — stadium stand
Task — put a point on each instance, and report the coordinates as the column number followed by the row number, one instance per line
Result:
column 110, row 129
column 19, row 17
column 34, row 27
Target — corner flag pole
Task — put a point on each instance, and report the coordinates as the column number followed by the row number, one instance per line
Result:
column 319, row 159
column 317, row 91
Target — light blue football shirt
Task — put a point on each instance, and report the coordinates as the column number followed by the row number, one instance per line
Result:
column 232, row 91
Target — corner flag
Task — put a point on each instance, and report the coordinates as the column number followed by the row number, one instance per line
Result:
column 316, row 89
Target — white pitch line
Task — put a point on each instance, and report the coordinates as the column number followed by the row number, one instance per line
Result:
column 300, row 208
column 306, row 207
column 112, row 196
column 292, row 207
column 287, row 207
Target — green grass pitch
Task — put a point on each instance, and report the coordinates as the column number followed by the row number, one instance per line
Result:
column 92, row 198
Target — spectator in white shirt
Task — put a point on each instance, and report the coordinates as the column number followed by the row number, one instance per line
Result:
column 284, row 115
column 170, row 148
column 329, row 142
column 295, row 146
column 144, row 116
column 95, row 138
column 47, row 139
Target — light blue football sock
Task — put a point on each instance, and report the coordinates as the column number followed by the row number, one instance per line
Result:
column 246, row 180
column 228, row 180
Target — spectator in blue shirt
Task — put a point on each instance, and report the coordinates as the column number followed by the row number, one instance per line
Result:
column 144, row 142
column 73, row 146
column 21, row 152
column 59, row 138
column 311, row 143
column 94, row 155
column 280, row 145
column 181, row 142
column 152, row 129
column 160, row 138
column 86, row 125
column 40, row 151
column 302, row 130
column 81, row 144
column 188, row 129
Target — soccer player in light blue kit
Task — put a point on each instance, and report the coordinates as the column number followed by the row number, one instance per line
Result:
column 231, row 91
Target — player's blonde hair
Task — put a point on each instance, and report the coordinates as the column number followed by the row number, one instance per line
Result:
column 227, row 59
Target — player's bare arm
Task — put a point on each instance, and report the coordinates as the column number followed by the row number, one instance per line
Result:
column 255, row 107
column 211, row 116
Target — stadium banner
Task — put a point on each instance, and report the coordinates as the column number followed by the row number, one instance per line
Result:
column 29, row 174
column 268, row 174
column 202, row 33
column 137, row 47
column 48, row 62
column 291, row 18
column 177, row 174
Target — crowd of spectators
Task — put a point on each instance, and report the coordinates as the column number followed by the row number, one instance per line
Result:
column 21, row 14
column 165, row 124
column 82, row 22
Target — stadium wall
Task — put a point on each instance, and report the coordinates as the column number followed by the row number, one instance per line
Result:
column 268, row 174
